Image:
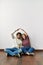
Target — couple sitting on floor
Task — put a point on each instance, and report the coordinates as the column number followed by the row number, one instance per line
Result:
column 23, row 45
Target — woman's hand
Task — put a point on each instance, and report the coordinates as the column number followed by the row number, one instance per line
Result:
column 24, row 32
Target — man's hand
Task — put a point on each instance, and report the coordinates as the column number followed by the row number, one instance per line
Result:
column 12, row 36
column 18, row 29
column 13, row 33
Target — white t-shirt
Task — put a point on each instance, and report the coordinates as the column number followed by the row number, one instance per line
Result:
column 16, row 42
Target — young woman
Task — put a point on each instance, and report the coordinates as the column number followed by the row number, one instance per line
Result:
column 27, row 49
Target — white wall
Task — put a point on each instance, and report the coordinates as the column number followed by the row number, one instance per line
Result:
column 27, row 14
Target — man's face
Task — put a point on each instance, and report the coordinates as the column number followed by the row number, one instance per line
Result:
column 18, row 36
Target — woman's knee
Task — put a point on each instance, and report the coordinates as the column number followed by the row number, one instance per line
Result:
column 31, row 50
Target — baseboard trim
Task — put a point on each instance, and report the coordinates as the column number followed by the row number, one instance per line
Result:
column 1, row 49
column 35, row 49
column 39, row 50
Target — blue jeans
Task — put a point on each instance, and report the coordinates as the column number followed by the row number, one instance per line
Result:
column 13, row 51
column 27, row 49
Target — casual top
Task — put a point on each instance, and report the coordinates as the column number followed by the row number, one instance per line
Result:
column 26, row 41
column 17, row 42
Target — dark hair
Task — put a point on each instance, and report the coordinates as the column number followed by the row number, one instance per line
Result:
column 19, row 34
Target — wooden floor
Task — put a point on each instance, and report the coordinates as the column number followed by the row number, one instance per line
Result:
column 24, row 60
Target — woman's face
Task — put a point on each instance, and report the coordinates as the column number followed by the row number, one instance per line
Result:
column 23, row 36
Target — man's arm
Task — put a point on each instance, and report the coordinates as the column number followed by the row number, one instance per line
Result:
column 12, row 34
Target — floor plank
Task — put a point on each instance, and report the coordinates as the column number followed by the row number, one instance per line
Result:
column 37, row 59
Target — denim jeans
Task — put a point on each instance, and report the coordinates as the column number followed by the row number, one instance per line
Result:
column 27, row 49
column 13, row 51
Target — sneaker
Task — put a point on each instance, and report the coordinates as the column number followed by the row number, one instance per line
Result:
column 6, row 54
column 32, row 54
column 19, row 55
column 27, row 53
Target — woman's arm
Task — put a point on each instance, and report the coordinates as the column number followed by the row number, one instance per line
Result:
column 14, row 33
column 24, row 32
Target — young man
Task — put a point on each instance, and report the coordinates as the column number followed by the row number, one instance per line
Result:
column 15, row 50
